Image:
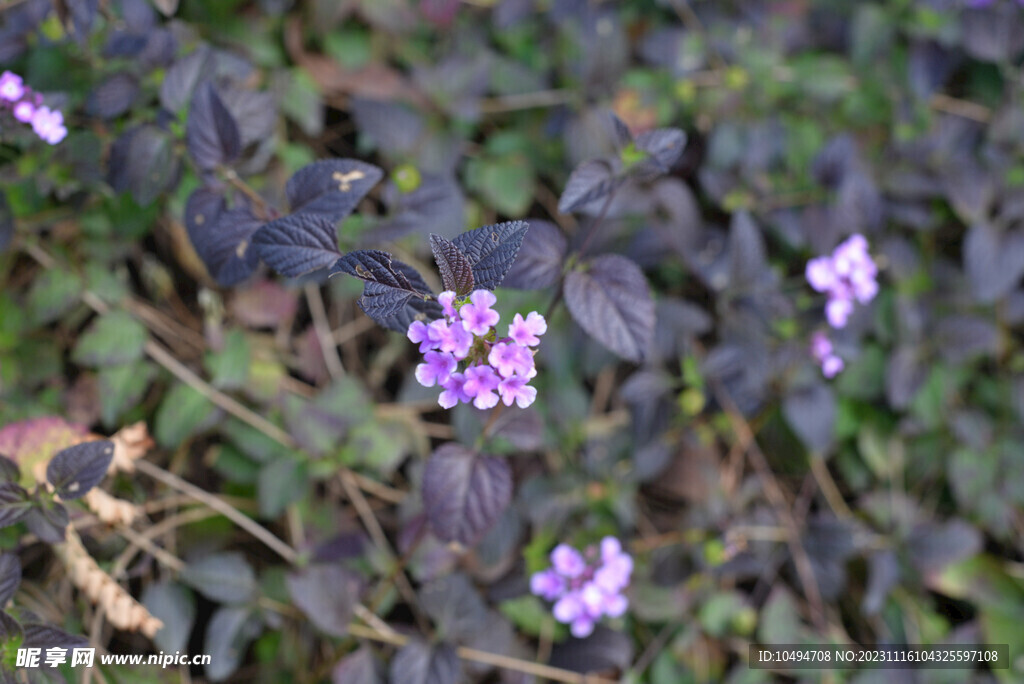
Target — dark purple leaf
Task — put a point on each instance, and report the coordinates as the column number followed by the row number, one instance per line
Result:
column 540, row 259
column 492, row 250
column 226, row 244
column 994, row 33
column 663, row 146
column 456, row 270
column 436, row 206
column 211, row 132
column 453, row 604
column 77, row 469
column 464, row 493
column 935, row 545
column 523, row 428
column 392, row 126
column 9, row 471
column 610, row 299
column 175, row 605
column 143, row 161
column 372, row 266
column 904, row 376
column 224, row 577
column 228, row 635
column 14, row 503
column 298, row 243
column 883, row 574
column 327, row 595
column 48, row 521
column 747, row 262
column 993, row 260
column 811, row 412
column 181, row 79
column 46, row 636
column 590, row 181
column 961, row 337
column 359, row 667
column 605, row 649
column 113, row 97
column 331, row 187
column 620, row 131
column 420, row 663
column 10, row 576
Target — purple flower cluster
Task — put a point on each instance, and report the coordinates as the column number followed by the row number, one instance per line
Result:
column 585, row 586
column 493, row 367
column 27, row 107
column 821, row 350
column 847, row 275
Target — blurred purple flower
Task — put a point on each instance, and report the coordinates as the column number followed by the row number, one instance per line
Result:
column 585, row 586
column 23, row 111
column 821, row 350
column 848, row 275
column 12, row 88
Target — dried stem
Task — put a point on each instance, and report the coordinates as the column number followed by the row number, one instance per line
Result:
column 478, row 656
column 328, row 346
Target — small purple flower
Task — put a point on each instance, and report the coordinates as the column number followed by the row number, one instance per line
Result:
column 847, row 275
column 453, row 338
column 515, row 389
column 49, row 125
column 568, row 561
column 23, row 111
column 547, row 584
column 454, row 391
column 509, row 359
column 477, row 314
column 12, row 88
column 838, row 311
column 526, row 332
column 447, row 301
column 568, row 608
column 419, row 332
column 438, row 368
column 831, row 366
column 821, row 350
column 585, row 586
column 820, row 274
column 481, row 382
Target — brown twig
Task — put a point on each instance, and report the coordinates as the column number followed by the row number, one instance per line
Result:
column 322, row 328
column 485, row 658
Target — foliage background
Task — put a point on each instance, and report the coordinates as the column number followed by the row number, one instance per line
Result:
column 760, row 501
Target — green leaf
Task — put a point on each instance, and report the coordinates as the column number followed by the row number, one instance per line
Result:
column 280, row 483
column 181, row 412
column 530, row 615
column 303, row 103
column 52, row 294
column 380, row 446
column 229, row 367
column 121, row 387
column 112, row 339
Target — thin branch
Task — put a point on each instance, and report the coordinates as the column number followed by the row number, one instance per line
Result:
column 328, row 346
column 228, row 511
column 475, row 655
